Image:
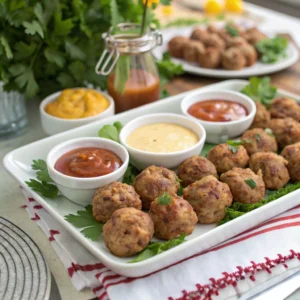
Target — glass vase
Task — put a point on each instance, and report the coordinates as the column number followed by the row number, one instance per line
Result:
column 13, row 113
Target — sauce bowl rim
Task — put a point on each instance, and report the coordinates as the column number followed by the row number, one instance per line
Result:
column 52, row 97
column 244, row 97
column 123, row 141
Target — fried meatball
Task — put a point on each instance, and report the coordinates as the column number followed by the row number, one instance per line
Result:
column 209, row 197
column 210, row 59
column 191, row 51
column 233, row 59
column 286, row 131
column 225, row 159
column 257, row 140
column 273, row 168
column 253, row 36
column 128, row 232
column 213, row 40
column 242, row 191
column 176, row 45
column 173, row 219
column 262, row 117
column 195, row 168
column 236, row 41
column 211, row 28
column 292, row 154
column 285, row 108
column 199, row 34
column 249, row 53
column 114, row 196
column 153, row 182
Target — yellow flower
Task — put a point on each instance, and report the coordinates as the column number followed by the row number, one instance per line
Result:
column 234, row 6
column 213, row 7
column 167, row 10
column 151, row 2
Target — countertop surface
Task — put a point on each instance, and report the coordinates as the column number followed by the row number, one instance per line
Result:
column 11, row 198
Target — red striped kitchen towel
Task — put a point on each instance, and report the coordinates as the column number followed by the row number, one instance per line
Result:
column 230, row 270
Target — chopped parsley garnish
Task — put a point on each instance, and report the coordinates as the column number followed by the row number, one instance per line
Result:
column 92, row 229
column 233, row 145
column 164, row 199
column 257, row 137
column 111, row 132
column 155, row 248
column 269, row 132
column 251, row 183
column 231, row 30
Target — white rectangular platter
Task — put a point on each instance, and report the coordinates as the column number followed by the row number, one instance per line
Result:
column 18, row 163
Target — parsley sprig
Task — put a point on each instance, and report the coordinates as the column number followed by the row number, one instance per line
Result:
column 155, row 248
column 164, row 199
column 231, row 30
column 251, row 183
column 233, row 146
column 44, row 185
column 239, row 209
column 92, row 229
column 260, row 90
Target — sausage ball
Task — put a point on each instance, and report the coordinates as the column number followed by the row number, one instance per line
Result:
column 249, row 53
column 273, row 168
column 245, row 185
column 213, row 40
column 176, row 45
column 114, row 196
column 236, row 41
column 257, row 140
column 191, row 51
column 199, row 34
column 286, row 131
column 209, row 198
column 195, row 168
column 225, row 159
column 211, row 28
column 173, row 219
column 285, row 108
column 233, row 59
column 262, row 117
column 153, row 182
column 128, row 232
column 210, row 59
column 292, row 154
column 253, row 36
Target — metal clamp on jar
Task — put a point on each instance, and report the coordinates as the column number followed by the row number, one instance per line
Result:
column 130, row 66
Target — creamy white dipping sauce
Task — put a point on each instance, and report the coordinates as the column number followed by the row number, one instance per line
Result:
column 162, row 138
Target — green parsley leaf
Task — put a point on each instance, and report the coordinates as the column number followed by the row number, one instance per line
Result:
column 272, row 49
column 55, row 56
column 155, row 248
column 92, row 229
column 42, row 171
column 233, row 149
column 6, row 46
column 111, row 132
column 164, row 199
column 62, row 28
column 269, row 132
column 260, row 90
column 257, row 137
column 231, row 30
column 24, row 50
column 43, row 188
column 74, row 51
column 167, row 69
column 38, row 11
column 251, row 183
column 130, row 174
column 206, row 148
column 34, row 28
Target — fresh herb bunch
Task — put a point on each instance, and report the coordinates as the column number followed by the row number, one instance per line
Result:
column 272, row 49
column 260, row 90
column 46, row 46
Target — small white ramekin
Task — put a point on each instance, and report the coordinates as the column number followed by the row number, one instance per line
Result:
column 53, row 125
column 81, row 190
column 219, row 132
column 143, row 159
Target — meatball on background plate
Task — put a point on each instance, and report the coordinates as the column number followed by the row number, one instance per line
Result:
column 292, row 154
column 212, row 69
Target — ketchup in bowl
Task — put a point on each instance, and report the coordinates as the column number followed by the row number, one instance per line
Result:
column 218, row 111
column 88, row 162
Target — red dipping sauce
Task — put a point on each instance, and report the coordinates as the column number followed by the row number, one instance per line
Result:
column 218, row 111
column 88, row 162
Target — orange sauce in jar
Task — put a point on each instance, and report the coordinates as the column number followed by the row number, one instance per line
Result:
column 218, row 111
column 141, row 88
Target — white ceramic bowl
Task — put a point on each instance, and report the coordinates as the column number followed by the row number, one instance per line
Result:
column 53, row 125
column 81, row 190
column 219, row 132
column 143, row 159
